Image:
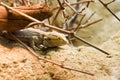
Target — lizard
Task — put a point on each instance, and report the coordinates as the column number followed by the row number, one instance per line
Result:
column 38, row 39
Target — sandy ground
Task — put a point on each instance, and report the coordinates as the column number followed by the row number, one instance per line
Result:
column 16, row 63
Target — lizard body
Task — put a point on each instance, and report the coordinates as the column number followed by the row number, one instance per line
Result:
column 37, row 38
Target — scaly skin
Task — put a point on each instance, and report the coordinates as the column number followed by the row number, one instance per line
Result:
column 39, row 39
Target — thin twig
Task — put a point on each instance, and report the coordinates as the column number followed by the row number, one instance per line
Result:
column 61, row 5
column 80, row 2
column 65, row 20
column 14, row 10
column 35, row 20
column 105, row 5
column 72, row 21
column 79, row 24
column 110, row 2
column 50, row 26
column 89, row 23
column 90, row 17
column 86, row 42
column 61, row 8
column 47, row 60
column 72, row 8
column 54, row 19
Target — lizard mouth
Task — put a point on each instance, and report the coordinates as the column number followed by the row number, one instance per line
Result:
column 53, row 40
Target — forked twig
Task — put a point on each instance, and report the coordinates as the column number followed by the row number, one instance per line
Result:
column 61, row 8
column 80, row 2
column 53, row 27
column 61, row 5
column 79, row 24
column 90, row 17
column 73, row 8
column 90, row 23
column 56, row 15
column 105, row 5
column 74, row 17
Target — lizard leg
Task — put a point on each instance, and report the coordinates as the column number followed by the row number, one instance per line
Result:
column 33, row 44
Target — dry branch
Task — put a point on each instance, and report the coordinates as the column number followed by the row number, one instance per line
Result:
column 55, row 28
column 80, row 2
column 72, row 33
column 106, row 6
column 37, row 56
column 47, row 60
column 10, row 20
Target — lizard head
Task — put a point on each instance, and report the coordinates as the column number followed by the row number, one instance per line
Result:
column 53, row 39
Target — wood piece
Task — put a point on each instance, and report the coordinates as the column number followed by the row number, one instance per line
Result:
column 12, row 21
